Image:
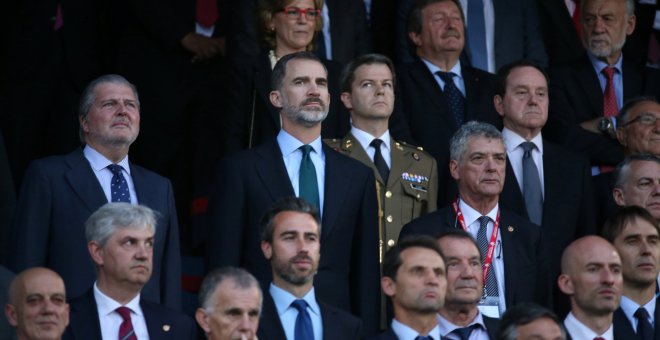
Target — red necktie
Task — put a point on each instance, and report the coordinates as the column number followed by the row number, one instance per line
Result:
column 126, row 331
column 576, row 18
column 609, row 99
column 207, row 12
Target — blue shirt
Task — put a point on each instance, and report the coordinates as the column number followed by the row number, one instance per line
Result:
column 599, row 65
column 289, row 146
column 288, row 313
column 404, row 332
column 458, row 78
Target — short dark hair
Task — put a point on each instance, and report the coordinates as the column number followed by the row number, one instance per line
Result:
column 414, row 18
column 241, row 277
column 504, row 72
column 522, row 314
column 348, row 73
column 615, row 225
column 295, row 204
column 622, row 117
column 279, row 71
column 458, row 234
column 623, row 169
column 392, row 260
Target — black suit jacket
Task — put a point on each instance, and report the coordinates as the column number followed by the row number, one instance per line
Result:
column 337, row 324
column 492, row 324
column 623, row 329
column 162, row 322
column 524, row 257
column 568, row 207
column 248, row 107
column 248, row 183
column 422, row 104
column 561, row 39
column 58, row 195
column 576, row 96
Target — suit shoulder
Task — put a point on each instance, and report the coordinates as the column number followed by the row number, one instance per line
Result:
column 429, row 224
column 171, row 320
column 416, row 152
column 520, row 222
column 347, row 319
column 333, row 143
column 346, row 161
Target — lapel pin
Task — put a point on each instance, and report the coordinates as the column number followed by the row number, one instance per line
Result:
column 166, row 328
column 510, row 229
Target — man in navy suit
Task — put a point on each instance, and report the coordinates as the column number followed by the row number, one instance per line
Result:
column 37, row 306
column 415, row 281
column 290, row 240
column 517, row 261
column 229, row 305
column 636, row 236
column 120, row 240
column 59, row 193
column 248, row 183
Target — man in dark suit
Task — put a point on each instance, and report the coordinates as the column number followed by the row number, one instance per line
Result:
column 591, row 277
column 516, row 264
column 460, row 316
column 61, row 192
column 558, row 194
column 37, row 306
column 530, row 321
column 414, row 279
column 297, row 163
column 586, row 94
column 229, row 305
column 559, row 31
column 120, row 240
column 636, row 236
column 437, row 91
column 290, row 240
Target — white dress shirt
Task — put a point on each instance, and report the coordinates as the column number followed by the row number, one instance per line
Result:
column 515, row 154
column 579, row 331
column 110, row 320
column 403, row 332
column 365, row 139
column 288, row 314
column 292, row 156
column 99, row 165
column 478, row 333
column 471, row 217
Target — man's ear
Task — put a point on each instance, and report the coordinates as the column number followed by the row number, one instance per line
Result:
column 96, row 251
column 267, row 250
column 453, row 169
column 276, row 99
column 388, row 286
column 619, row 198
column 497, row 102
column 200, row 316
column 565, row 284
column 346, row 99
column 10, row 313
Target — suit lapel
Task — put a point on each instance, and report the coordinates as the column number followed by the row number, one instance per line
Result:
column 511, row 192
column 509, row 241
column 82, row 180
column 632, row 81
column 337, row 181
column 271, row 170
column 270, row 326
column 472, row 88
column 85, row 313
column 426, row 82
column 587, row 79
column 553, row 173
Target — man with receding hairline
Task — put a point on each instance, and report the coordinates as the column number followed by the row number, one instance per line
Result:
column 37, row 305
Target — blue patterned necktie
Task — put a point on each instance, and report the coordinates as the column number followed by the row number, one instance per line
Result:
column 118, row 186
column 482, row 241
column 531, row 185
column 303, row 328
column 453, row 96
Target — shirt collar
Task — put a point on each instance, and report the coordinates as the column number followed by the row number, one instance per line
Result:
column 283, row 299
column 447, row 326
column 107, row 305
column 455, row 70
column 629, row 307
column 289, row 144
column 580, row 331
column 366, row 138
column 598, row 64
column 99, row 162
column 512, row 140
column 404, row 332
column 470, row 215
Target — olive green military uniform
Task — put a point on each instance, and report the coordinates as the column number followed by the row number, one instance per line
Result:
column 411, row 190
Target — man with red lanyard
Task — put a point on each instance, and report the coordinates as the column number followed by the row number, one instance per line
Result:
column 511, row 245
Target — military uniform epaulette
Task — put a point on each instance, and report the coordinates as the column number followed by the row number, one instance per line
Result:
column 333, row 143
column 417, row 152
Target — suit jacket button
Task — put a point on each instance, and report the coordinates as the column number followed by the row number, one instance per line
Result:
column 389, row 218
column 391, row 243
column 388, row 194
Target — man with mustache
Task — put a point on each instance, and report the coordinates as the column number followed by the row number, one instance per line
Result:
column 514, row 257
column 59, row 193
column 459, row 317
column 297, row 163
column 37, row 306
column 290, row 241
column 120, row 241
column 587, row 94
column 591, row 277
column 636, row 237
column 439, row 92
column 638, row 183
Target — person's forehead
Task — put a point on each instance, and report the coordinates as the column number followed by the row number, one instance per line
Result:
column 598, row 254
column 114, row 89
column 294, row 221
column 525, row 75
column 367, row 71
column 442, row 7
column 420, row 256
column 228, row 295
column 305, row 68
column 457, row 247
column 646, row 106
column 140, row 232
column 605, row 6
column 484, row 144
column 42, row 283
column 637, row 226
column 639, row 169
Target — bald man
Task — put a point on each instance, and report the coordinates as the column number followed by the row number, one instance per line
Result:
column 37, row 305
column 591, row 277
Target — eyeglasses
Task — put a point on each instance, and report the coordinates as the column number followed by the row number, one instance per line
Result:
column 295, row 12
column 644, row 119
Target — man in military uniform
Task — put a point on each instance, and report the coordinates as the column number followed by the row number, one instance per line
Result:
column 406, row 176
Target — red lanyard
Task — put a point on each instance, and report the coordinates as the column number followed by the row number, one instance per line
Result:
column 488, row 261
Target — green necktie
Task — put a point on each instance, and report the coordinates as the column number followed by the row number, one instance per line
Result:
column 308, row 186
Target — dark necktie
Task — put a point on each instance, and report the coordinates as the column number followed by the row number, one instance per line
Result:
column 454, row 97
column 531, row 185
column 482, row 241
column 379, row 161
column 126, row 331
column 610, row 108
column 476, row 31
column 303, row 329
column 644, row 327
column 599, row 338
column 308, row 185
column 419, row 337
column 463, row 332
column 118, row 186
